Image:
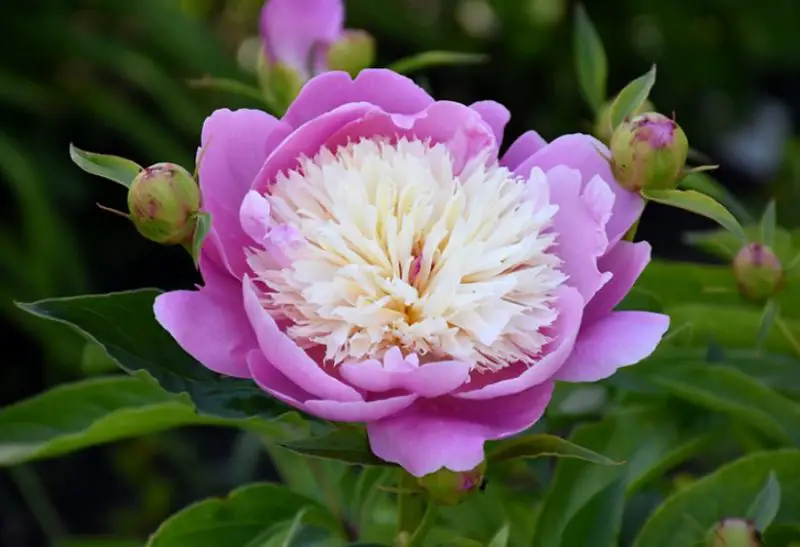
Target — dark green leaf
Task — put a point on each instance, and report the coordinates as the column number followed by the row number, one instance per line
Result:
column 727, row 493
column 632, row 97
column 347, row 445
column 99, row 542
column 124, row 324
column 700, row 204
column 537, row 446
column 114, row 168
column 200, row 233
column 768, row 316
column 430, row 59
column 768, row 225
column 75, row 416
column 590, row 60
column 501, row 538
column 249, row 516
column 766, row 505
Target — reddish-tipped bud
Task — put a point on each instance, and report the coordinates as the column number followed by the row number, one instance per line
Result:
column 353, row 52
column 447, row 487
column 649, row 152
column 734, row 533
column 163, row 202
column 758, row 272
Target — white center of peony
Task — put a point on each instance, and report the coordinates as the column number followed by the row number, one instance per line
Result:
column 385, row 246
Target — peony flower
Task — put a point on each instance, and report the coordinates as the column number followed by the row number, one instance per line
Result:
column 372, row 259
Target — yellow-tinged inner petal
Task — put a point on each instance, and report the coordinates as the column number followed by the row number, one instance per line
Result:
column 390, row 248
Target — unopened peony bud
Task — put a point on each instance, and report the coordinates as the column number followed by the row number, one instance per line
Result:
column 447, row 487
column 648, row 151
column 734, row 533
column 758, row 272
column 163, row 201
column 353, row 52
column 280, row 82
column 603, row 129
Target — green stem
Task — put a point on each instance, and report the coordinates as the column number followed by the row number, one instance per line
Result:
column 425, row 526
column 409, row 508
column 36, row 497
column 787, row 333
column 631, row 233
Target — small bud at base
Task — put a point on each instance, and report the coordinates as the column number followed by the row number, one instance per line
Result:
column 163, row 201
column 758, row 272
column 650, row 152
column 446, row 487
column 734, row 533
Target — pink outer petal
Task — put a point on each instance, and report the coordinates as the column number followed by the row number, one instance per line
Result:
column 429, row 380
column 585, row 154
column 620, row 339
column 235, row 145
column 271, row 380
column 292, row 29
column 517, row 378
column 210, row 323
column 521, row 149
column 450, row 433
column 383, row 88
column 579, row 225
column 287, row 357
column 625, row 261
column 308, row 140
column 495, row 115
column 460, row 128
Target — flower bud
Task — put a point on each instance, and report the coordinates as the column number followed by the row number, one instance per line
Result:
column 353, row 52
column 280, row 82
column 447, row 487
column 603, row 129
column 758, row 272
column 163, row 201
column 648, row 151
column 734, row 533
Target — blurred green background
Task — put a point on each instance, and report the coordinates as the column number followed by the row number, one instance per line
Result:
column 112, row 77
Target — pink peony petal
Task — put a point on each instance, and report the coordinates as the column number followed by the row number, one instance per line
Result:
column 495, row 115
column 382, row 88
column 287, row 357
column 620, row 339
column 430, row 380
column 585, row 154
column 210, row 323
column 517, row 378
column 274, row 382
column 625, row 261
column 579, row 226
column 450, row 433
column 235, row 145
column 294, row 30
column 521, row 149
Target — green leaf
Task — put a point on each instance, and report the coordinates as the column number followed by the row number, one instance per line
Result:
column 699, row 204
column 430, row 59
column 724, row 244
column 200, row 233
column 247, row 517
column 766, row 505
column 348, row 444
column 768, row 225
column 706, row 185
column 726, row 493
column 734, row 393
column 590, row 60
column 539, row 445
column 114, row 168
column 632, row 97
column 99, row 542
column 100, row 410
column 124, row 324
column 770, row 313
column 501, row 538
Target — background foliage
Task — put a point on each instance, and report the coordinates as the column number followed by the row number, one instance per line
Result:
column 113, row 77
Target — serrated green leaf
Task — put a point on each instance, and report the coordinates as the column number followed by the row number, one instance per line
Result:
column 591, row 65
column 726, row 493
column 200, row 232
column 100, row 410
column 700, row 204
column 769, row 224
column 541, row 445
column 349, row 445
column 120, row 170
column 632, row 97
column 430, row 59
column 766, row 505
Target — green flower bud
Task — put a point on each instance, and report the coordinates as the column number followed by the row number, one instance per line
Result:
column 602, row 127
column 648, row 151
column 758, row 272
column 734, row 533
column 163, row 201
column 447, row 487
column 354, row 52
column 280, row 83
